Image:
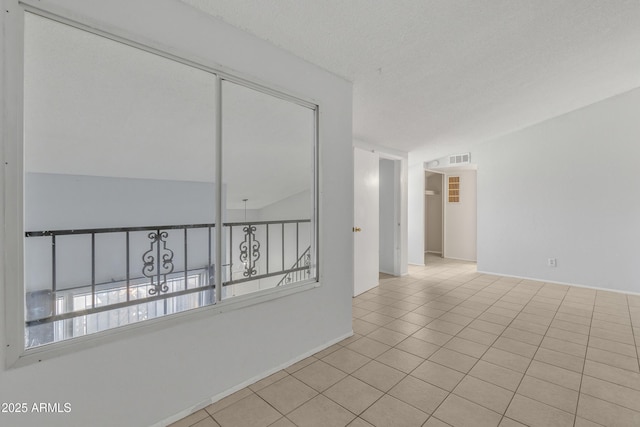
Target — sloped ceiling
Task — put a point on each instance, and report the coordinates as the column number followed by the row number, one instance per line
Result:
column 101, row 108
column 439, row 76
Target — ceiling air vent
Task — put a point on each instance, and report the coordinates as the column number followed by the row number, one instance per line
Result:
column 460, row 159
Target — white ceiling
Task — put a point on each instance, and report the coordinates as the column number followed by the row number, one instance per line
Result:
column 439, row 76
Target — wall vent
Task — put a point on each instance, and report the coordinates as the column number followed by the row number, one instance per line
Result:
column 460, row 159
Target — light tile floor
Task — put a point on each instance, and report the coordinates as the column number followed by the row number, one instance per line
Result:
column 446, row 345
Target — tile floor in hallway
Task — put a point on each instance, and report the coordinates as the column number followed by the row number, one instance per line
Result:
column 446, row 345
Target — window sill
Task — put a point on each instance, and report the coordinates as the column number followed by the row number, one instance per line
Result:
column 62, row 348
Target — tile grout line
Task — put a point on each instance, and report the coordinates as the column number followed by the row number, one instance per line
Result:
column 515, row 285
column 441, row 346
column 386, row 393
column 409, row 374
column 522, row 310
column 463, row 292
column 488, row 347
column 633, row 334
column 274, row 408
column 534, row 355
column 436, row 318
column 584, row 362
column 606, row 380
column 449, row 393
column 566, row 293
column 503, row 415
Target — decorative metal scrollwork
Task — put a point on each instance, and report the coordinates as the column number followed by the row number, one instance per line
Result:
column 158, row 262
column 249, row 251
column 304, row 261
column 307, row 263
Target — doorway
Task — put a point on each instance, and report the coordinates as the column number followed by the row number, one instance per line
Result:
column 378, row 217
column 434, row 214
column 389, row 214
column 365, row 229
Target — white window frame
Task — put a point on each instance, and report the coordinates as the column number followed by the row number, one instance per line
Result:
column 13, row 161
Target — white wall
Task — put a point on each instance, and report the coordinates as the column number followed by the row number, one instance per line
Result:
column 165, row 106
column 387, row 205
column 238, row 215
column 296, row 206
column 142, row 377
column 403, row 244
column 460, row 219
column 566, row 188
column 58, row 202
column 433, row 214
column 416, row 211
column 63, row 202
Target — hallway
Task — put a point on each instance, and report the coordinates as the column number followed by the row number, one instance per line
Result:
column 446, row 345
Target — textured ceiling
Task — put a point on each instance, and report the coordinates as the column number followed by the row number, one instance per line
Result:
column 438, row 76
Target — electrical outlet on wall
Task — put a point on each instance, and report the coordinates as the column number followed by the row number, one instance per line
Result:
column 552, row 262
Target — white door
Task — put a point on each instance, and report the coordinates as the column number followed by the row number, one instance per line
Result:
column 366, row 188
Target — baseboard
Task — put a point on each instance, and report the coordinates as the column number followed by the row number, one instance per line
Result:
column 555, row 282
column 433, row 252
column 417, row 265
column 180, row 415
column 386, row 272
column 460, row 259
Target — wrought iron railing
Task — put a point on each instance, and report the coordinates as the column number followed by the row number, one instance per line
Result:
column 251, row 250
column 298, row 274
column 159, row 276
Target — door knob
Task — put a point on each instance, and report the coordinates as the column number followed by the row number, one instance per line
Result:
column 357, row 229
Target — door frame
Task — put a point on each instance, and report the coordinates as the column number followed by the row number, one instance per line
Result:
column 401, row 262
column 397, row 211
column 366, row 216
column 443, row 189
